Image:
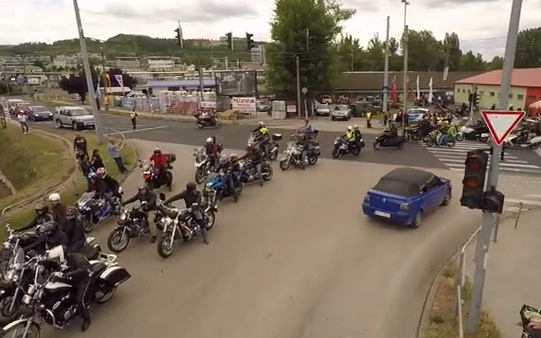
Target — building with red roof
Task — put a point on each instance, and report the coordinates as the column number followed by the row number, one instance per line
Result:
column 525, row 88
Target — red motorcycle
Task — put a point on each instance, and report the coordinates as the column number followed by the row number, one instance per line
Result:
column 152, row 177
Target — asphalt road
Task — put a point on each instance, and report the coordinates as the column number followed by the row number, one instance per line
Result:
column 293, row 259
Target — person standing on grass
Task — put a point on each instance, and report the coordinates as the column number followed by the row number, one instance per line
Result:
column 115, row 154
column 3, row 116
column 23, row 121
column 80, row 144
column 96, row 161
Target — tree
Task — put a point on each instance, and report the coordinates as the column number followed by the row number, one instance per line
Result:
column 452, row 51
column 128, row 80
column 424, row 51
column 496, row 63
column 529, row 48
column 76, row 84
column 305, row 29
column 472, row 62
column 350, row 53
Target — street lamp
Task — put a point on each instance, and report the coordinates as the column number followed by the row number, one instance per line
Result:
column 88, row 74
column 405, row 75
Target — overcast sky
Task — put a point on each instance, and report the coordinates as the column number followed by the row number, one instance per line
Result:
column 480, row 24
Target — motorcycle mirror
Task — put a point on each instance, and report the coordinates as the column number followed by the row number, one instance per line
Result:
column 162, row 196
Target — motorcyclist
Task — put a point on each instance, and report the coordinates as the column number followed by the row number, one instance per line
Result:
column 159, row 161
column 78, row 274
column 350, row 137
column 80, row 144
column 230, row 166
column 57, row 208
column 450, row 134
column 42, row 216
column 213, row 150
column 75, row 233
column 358, row 134
column 192, row 200
column 255, row 154
column 50, row 236
column 112, row 186
column 307, row 130
column 304, row 142
column 148, row 203
column 263, row 137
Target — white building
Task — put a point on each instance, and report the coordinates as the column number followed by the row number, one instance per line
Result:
column 128, row 63
column 160, row 64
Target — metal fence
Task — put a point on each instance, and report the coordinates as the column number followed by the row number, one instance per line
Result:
column 461, row 278
column 56, row 187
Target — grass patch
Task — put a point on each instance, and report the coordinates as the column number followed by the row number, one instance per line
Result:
column 71, row 192
column 442, row 323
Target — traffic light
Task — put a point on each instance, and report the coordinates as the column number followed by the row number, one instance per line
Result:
column 473, row 183
column 229, row 40
column 476, row 97
column 493, row 201
column 249, row 41
column 179, row 37
column 470, row 98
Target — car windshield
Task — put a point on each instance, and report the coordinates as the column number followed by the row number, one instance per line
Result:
column 341, row 107
column 39, row 109
column 397, row 187
column 23, row 105
column 322, row 106
column 78, row 112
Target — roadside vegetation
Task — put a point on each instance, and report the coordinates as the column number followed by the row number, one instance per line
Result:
column 442, row 320
column 72, row 189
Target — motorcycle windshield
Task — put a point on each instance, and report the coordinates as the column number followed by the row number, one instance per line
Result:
column 252, row 140
column 85, row 198
column 147, row 166
column 200, row 156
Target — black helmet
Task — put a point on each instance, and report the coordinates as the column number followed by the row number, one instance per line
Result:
column 71, row 212
column 48, row 228
column 142, row 189
column 191, row 186
column 41, row 209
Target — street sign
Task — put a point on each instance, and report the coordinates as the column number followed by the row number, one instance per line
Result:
column 304, row 90
column 385, row 89
column 501, row 123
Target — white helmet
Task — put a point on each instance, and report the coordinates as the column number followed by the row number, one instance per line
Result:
column 210, row 140
column 356, row 126
column 57, row 254
column 350, row 128
column 54, row 198
column 261, row 123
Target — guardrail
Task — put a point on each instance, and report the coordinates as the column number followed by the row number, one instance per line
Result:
column 58, row 186
column 461, row 278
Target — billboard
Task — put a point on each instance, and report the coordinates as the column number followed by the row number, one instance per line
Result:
column 236, row 83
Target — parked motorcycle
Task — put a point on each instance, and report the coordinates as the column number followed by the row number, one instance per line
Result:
column 207, row 121
column 293, row 155
column 92, row 211
column 386, row 141
column 152, row 178
column 217, row 187
column 249, row 172
column 179, row 224
column 132, row 223
column 55, row 303
column 341, row 147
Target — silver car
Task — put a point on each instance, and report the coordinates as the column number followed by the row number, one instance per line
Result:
column 341, row 112
column 73, row 117
column 323, row 110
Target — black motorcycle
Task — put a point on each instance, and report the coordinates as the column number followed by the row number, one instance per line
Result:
column 207, row 121
column 386, row 141
column 132, row 223
column 412, row 134
column 342, row 147
column 249, row 172
column 152, row 178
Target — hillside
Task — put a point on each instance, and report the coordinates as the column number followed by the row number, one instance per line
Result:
column 129, row 45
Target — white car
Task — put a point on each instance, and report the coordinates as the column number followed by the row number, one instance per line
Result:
column 323, row 110
column 341, row 112
column 75, row 117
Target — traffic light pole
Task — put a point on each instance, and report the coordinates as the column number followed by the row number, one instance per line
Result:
column 489, row 219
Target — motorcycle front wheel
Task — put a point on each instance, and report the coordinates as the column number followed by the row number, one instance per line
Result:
column 166, row 245
column 88, row 223
column 534, row 146
column 22, row 330
column 200, row 175
column 211, row 219
column 460, row 137
column 376, row 145
column 8, row 314
column 118, row 240
column 273, row 155
column 267, row 173
column 336, row 153
column 285, row 164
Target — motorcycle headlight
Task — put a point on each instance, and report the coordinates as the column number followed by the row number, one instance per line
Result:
column 123, row 217
column 27, row 299
column 209, row 184
column 9, row 275
column 163, row 220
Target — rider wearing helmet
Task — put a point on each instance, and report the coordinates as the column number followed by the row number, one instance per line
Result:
column 256, row 156
column 112, row 185
column 192, row 200
column 358, row 135
column 97, row 185
column 350, row 137
column 42, row 215
column 159, row 161
column 50, row 236
column 78, row 275
column 231, row 167
column 263, row 136
column 145, row 195
column 57, row 208
column 213, row 150
column 75, row 233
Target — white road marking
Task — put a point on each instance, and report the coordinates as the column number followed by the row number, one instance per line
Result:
column 137, row 130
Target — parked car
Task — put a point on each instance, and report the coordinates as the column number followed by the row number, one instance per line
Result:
column 74, row 117
column 416, row 114
column 39, row 113
column 12, row 105
column 326, row 99
column 21, row 107
column 261, row 106
column 341, row 112
column 323, row 110
column 359, row 109
column 404, row 196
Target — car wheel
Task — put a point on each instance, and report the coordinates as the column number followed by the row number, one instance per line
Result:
column 417, row 220
column 74, row 126
column 446, row 199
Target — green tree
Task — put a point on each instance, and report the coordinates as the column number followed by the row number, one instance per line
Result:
column 293, row 19
column 76, row 84
column 472, row 62
column 529, row 48
column 496, row 63
column 452, row 52
column 424, row 51
column 350, row 53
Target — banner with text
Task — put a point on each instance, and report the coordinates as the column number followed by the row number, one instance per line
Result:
column 244, row 105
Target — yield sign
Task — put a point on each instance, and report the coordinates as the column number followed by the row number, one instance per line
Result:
column 501, row 123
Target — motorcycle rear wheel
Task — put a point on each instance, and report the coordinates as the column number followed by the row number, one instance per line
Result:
column 356, row 151
column 34, row 331
column 267, row 173
column 166, row 245
column 105, row 297
column 312, row 160
column 534, row 146
column 118, row 240
column 200, row 126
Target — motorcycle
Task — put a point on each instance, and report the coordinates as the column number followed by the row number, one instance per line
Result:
column 412, row 134
column 293, row 155
column 152, row 178
column 208, row 121
column 92, row 211
column 273, row 146
column 180, row 224
column 132, row 223
column 386, row 142
column 473, row 133
column 432, row 140
column 341, row 147
column 528, row 314
column 217, row 187
column 203, row 165
column 249, row 172
column 518, row 142
column 54, row 302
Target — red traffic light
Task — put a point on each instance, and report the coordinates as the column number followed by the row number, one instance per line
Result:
column 471, row 182
column 475, row 164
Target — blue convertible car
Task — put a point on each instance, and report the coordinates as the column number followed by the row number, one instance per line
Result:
column 404, row 195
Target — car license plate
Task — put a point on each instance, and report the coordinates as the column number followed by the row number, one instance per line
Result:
column 382, row 214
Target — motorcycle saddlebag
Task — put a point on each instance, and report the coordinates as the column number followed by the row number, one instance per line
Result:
column 115, row 275
column 276, row 137
column 171, row 158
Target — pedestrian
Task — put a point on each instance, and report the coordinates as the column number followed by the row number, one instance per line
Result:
column 368, row 120
column 23, row 121
column 96, row 161
column 86, row 169
column 3, row 116
column 385, row 116
column 133, row 117
column 80, row 144
column 115, row 154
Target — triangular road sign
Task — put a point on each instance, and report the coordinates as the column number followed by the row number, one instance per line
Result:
column 501, row 123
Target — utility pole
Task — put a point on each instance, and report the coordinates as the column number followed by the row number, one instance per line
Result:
column 472, row 108
column 88, row 74
column 105, row 86
column 352, row 56
column 489, row 219
column 226, row 63
column 386, row 69
column 298, row 69
column 405, row 75
column 200, row 74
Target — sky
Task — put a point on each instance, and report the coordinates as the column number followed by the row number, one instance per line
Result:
column 481, row 24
